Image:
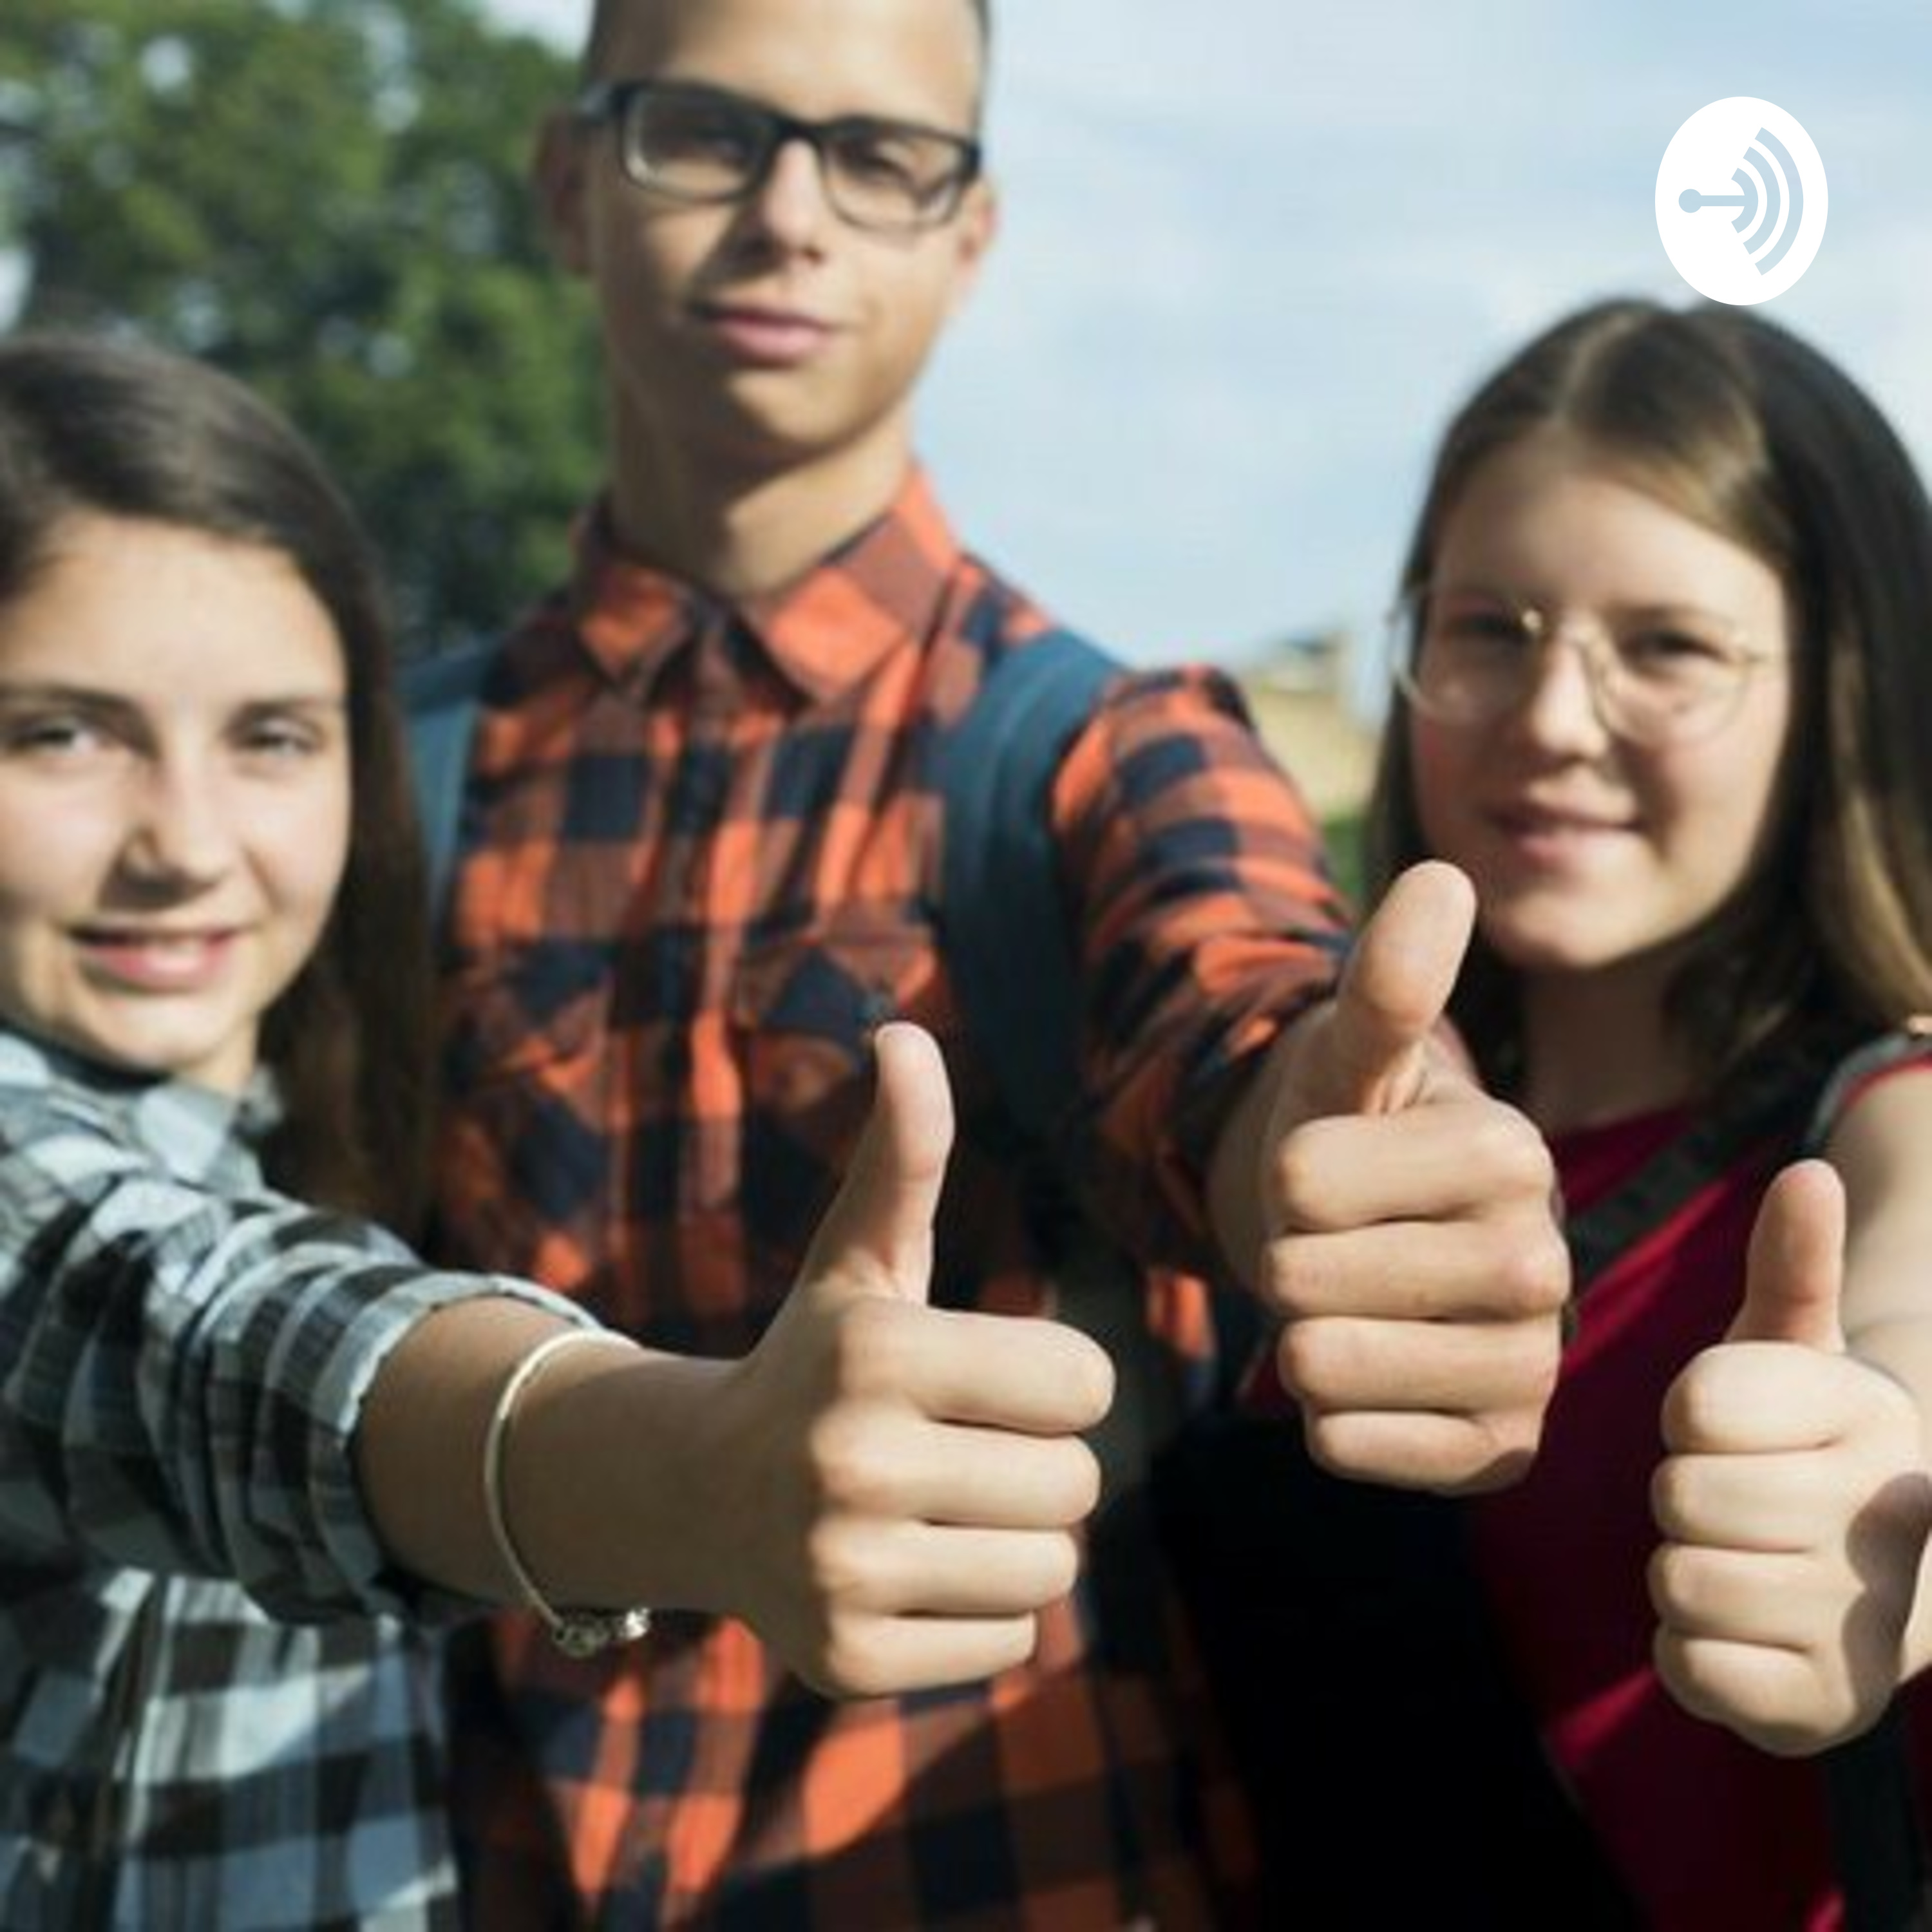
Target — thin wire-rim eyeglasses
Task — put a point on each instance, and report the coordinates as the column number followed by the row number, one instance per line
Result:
column 1710, row 658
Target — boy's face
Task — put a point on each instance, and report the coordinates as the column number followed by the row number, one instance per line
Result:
column 747, row 339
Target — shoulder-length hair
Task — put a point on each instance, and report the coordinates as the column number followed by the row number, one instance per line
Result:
column 1731, row 421
column 91, row 427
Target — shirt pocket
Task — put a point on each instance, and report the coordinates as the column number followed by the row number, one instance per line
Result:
column 515, row 1014
column 525, row 1183
column 804, row 1006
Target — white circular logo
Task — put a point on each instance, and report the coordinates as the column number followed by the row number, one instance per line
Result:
column 1741, row 200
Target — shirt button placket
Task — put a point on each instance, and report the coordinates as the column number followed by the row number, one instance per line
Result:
column 700, row 798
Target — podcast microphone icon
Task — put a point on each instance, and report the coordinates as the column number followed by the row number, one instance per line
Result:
column 1769, row 157
column 1742, row 200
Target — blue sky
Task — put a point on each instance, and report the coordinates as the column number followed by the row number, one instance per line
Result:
column 1248, row 267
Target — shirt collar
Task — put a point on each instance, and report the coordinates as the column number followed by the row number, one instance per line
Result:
column 824, row 633
column 192, row 1132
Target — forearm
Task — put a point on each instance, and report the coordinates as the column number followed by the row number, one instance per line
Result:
column 1205, row 924
column 602, row 1478
column 1235, row 1180
column 187, row 1370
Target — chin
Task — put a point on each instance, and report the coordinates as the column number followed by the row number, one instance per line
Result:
column 200, row 1062
column 1539, row 948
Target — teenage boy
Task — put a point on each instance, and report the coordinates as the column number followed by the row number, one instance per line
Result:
column 702, row 837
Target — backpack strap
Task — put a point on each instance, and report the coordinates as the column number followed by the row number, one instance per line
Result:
column 1912, row 1041
column 1770, row 1099
column 1007, row 937
column 1002, row 912
column 1791, row 1091
column 1009, row 944
column 441, row 696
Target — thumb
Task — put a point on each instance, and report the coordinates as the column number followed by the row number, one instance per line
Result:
column 877, row 1236
column 1795, row 1272
column 1396, row 988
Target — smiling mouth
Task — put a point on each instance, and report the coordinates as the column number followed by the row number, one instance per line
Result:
column 156, row 959
column 1532, row 824
column 770, row 335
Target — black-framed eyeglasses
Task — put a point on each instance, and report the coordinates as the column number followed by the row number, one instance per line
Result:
column 698, row 144
column 1467, row 655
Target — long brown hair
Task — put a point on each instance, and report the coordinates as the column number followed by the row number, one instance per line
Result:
column 1732, row 422
column 90, row 427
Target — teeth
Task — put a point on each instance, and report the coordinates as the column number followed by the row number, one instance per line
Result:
column 169, row 944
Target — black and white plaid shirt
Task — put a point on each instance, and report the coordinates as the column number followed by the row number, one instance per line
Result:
column 182, row 1356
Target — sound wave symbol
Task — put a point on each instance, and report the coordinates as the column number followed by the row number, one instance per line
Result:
column 1749, row 199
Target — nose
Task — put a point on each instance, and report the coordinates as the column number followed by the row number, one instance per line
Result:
column 1561, row 705
column 181, row 829
column 791, row 206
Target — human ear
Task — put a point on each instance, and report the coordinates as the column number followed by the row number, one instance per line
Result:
column 974, row 229
column 559, row 171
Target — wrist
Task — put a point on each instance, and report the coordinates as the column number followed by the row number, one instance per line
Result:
column 1240, row 1177
column 605, row 1486
column 578, row 1630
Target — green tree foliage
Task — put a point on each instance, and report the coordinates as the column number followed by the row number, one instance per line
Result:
column 329, row 199
column 1342, row 838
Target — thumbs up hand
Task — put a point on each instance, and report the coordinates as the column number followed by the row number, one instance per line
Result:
column 901, row 1484
column 1793, row 1500
column 1408, row 1220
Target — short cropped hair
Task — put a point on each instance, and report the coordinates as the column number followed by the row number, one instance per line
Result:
column 603, row 26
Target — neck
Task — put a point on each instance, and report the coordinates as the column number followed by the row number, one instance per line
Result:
column 1595, row 1048
column 746, row 530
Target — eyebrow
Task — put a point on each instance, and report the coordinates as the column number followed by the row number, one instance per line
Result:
column 1656, row 610
column 301, row 700
column 76, row 696
column 859, row 118
column 92, row 698
column 107, row 694
column 1537, row 600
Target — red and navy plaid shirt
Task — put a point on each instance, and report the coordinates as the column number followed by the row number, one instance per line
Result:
column 701, row 847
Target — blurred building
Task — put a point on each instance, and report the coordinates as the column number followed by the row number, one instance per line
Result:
column 1300, row 691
